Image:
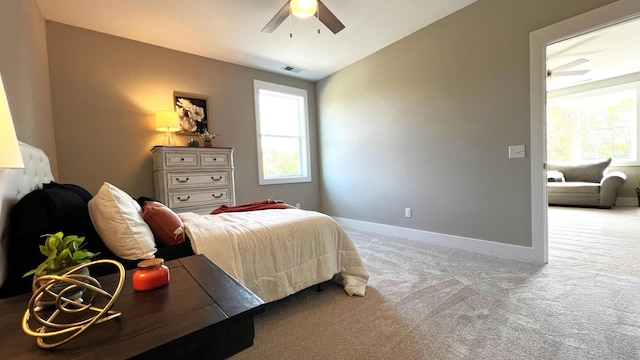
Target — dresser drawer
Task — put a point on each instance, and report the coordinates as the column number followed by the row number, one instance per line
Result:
column 214, row 159
column 181, row 159
column 179, row 199
column 179, row 180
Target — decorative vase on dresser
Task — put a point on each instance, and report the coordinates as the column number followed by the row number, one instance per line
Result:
column 190, row 179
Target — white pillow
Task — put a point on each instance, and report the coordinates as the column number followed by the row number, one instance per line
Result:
column 118, row 220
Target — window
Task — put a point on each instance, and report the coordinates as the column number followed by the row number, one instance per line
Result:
column 282, row 127
column 594, row 124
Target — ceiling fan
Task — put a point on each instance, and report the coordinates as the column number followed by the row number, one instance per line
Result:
column 305, row 8
column 562, row 70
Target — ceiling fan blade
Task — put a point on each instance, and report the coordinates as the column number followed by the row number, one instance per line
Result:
column 277, row 19
column 570, row 64
column 328, row 19
column 569, row 73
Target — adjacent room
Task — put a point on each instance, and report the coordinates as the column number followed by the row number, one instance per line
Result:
column 405, row 141
column 592, row 107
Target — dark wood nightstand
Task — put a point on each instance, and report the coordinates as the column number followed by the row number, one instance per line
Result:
column 203, row 313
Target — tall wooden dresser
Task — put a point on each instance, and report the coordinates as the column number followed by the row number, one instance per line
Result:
column 192, row 179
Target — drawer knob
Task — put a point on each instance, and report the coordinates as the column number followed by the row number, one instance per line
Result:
column 182, row 181
column 186, row 199
column 218, row 196
column 216, row 179
column 181, row 159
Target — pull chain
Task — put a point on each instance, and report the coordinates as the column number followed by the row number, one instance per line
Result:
column 290, row 24
column 318, row 16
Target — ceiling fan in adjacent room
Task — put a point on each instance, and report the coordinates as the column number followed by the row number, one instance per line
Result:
column 305, row 8
column 563, row 69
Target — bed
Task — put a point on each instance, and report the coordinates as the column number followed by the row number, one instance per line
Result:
column 278, row 252
column 274, row 252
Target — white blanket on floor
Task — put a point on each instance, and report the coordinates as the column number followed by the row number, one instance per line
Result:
column 276, row 253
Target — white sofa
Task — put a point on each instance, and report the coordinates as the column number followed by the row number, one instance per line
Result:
column 585, row 184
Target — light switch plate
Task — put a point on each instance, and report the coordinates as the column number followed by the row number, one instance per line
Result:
column 516, row 152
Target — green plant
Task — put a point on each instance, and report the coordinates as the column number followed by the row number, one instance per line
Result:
column 62, row 252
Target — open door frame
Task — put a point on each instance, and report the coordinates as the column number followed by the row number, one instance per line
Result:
column 614, row 13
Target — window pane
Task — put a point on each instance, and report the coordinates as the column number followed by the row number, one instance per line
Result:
column 561, row 124
column 593, row 125
column 279, row 115
column 281, row 157
column 605, row 126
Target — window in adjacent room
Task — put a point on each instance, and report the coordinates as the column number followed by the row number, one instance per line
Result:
column 282, row 128
column 594, row 124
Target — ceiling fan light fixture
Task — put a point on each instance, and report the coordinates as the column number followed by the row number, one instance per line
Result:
column 303, row 8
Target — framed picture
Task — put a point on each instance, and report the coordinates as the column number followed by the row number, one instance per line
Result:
column 192, row 111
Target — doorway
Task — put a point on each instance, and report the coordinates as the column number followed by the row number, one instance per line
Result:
column 612, row 14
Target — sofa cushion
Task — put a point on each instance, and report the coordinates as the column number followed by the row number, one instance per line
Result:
column 587, row 172
column 555, row 176
column 561, row 188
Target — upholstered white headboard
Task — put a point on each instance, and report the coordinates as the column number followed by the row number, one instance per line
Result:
column 16, row 183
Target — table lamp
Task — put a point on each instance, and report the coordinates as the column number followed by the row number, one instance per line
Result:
column 10, row 155
column 168, row 122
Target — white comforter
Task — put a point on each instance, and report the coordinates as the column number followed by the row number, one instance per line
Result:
column 276, row 253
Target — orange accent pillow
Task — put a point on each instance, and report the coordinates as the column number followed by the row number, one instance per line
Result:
column 166, row 226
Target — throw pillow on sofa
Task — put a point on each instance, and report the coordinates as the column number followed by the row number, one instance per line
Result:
column 555, row 176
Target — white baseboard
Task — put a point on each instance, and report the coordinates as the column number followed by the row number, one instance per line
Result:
column 507, row 251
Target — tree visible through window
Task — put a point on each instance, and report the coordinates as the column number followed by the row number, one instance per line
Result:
column 593, row 125
column 282, row 133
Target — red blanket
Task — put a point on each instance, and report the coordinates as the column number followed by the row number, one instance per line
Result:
column 258, row 205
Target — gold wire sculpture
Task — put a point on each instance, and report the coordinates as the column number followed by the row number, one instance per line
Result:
column 67, row 303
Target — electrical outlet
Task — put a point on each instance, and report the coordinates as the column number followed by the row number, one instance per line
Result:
column 407, row 212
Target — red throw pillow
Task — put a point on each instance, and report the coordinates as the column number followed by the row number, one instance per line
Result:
column 165, row 225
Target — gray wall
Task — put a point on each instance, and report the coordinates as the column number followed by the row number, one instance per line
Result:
column 628, row 190
column 25, row 73
column 425, row 123
column 106, row 90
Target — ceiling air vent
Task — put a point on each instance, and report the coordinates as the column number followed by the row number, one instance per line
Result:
column 292, row 69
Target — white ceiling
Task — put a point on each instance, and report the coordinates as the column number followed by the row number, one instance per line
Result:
column 612, row 51
column 229, row 30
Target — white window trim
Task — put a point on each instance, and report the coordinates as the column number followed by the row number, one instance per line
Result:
column 305, row 155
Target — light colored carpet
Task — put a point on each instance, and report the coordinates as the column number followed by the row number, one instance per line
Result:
column 429, row 302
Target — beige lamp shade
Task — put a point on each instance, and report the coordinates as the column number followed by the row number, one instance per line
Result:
column 303, row 8
column 10, row 151
column 167, row 121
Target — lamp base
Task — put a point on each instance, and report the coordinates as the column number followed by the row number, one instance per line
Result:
column 168, row 139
